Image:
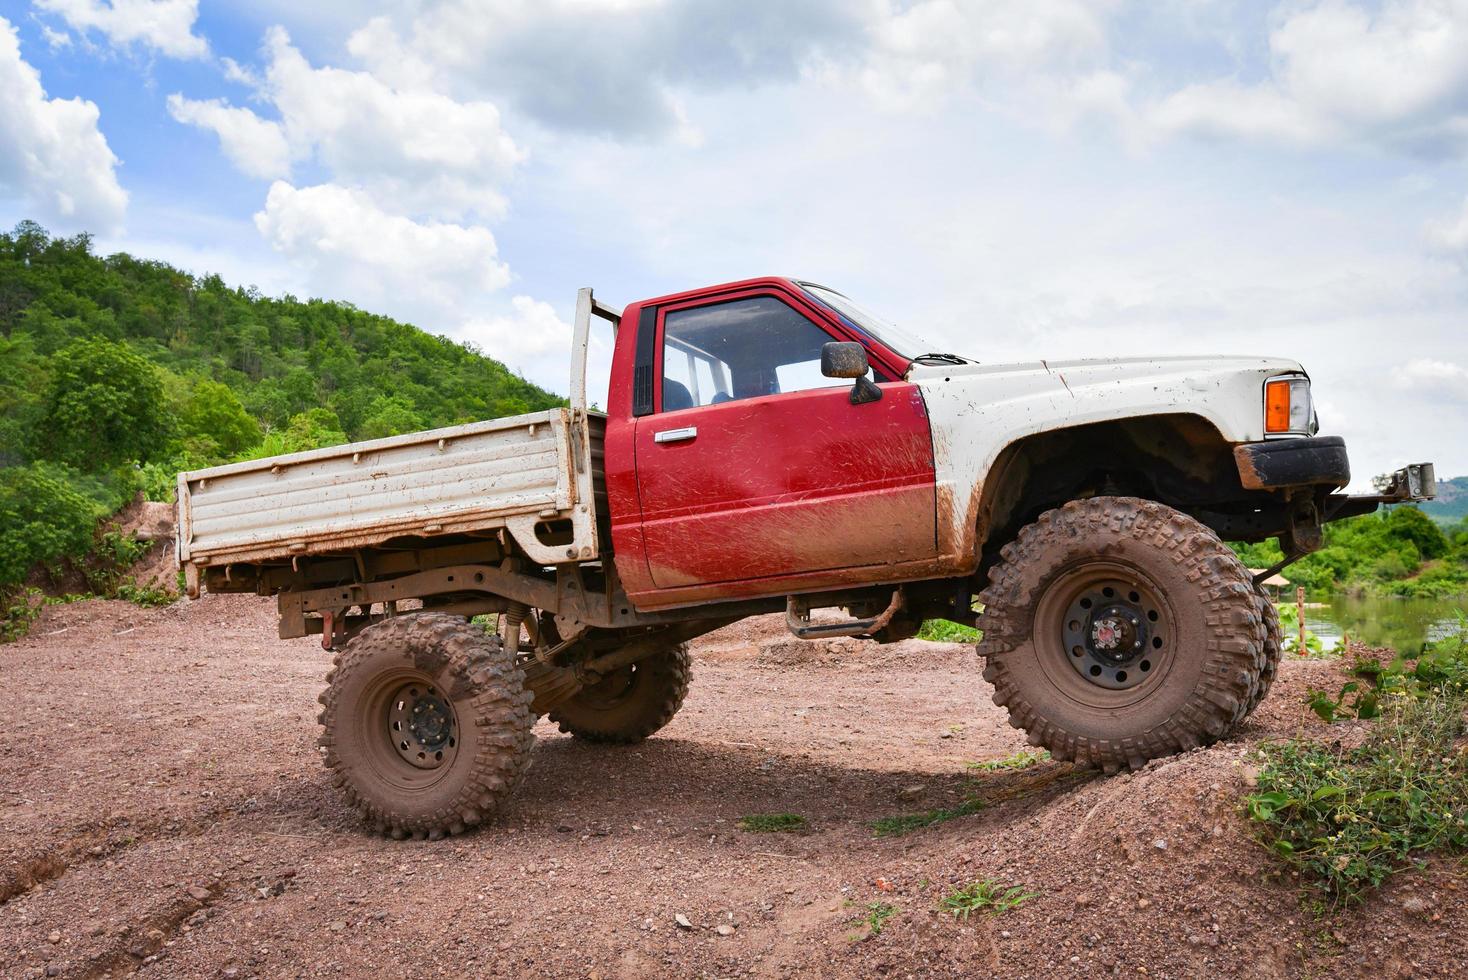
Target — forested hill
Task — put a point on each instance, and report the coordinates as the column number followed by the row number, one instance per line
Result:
column 116, row 372
column 1452, row 501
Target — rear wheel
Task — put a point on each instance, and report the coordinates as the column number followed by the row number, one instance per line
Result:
column 427, row 724
column 1117, row 630
column 630, row 703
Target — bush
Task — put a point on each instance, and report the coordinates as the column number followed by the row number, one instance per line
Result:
column 945, row 631
column 1349, row 818
column 314, row 429
column 113, row 554
column 43, row 520
column 19, row 607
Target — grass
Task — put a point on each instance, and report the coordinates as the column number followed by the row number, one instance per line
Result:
column 877, row 914
column 908, row 822
column 1347, row 819
column 944, row 631
column 1014, row 763
column 987, row 896
column 773, row 823
column 1350, row 818
column 18, row 610
column 144, row 595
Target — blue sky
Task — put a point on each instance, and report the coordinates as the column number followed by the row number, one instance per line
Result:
column 1014, row 179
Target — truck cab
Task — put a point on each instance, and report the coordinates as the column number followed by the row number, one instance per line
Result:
column 736, row 467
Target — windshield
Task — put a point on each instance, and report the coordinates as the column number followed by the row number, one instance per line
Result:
column 888, row 334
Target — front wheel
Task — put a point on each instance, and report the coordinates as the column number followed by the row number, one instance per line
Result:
column 1118, row 630
column 630, row 703
column 427, row 724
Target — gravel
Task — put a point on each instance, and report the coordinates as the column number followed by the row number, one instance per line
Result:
column 163, row 810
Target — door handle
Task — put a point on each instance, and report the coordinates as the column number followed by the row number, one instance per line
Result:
column 676, row 435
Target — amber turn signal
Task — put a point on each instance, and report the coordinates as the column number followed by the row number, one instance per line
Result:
column 1277, row 406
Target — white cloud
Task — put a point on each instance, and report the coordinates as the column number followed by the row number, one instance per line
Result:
column 417, row 148
column 1225, row 109
column 241, row 74
column 650, row 56
column 410, row 175
column 256, row 146
column 613, row 67
column 51, row 152
column 532, row 337
column 1451, row 235
column 352, row 248
column 532, row 327
column 1396, row 78
column 935, row 47
column 1425, row 375
column 164, row 25
column 54, row 38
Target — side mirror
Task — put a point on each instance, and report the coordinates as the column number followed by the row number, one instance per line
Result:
column 845, row 359
column 848, row 359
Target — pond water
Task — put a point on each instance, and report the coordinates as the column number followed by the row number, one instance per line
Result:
column 1402, row 624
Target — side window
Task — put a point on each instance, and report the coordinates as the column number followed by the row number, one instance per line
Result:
column 743, row 348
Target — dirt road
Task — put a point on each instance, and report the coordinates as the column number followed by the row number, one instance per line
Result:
column 164, row 810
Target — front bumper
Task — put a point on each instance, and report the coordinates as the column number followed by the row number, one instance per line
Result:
column 1274, row 465
column 1321, row 461
column 1309, row 469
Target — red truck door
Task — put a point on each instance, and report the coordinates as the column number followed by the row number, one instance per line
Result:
column 753, row 464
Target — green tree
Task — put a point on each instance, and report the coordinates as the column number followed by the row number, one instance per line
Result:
column 315, row 429
column 215, row 421
column 1411, row 525
column 104, row 406
column 391, row 415
column 42, row 519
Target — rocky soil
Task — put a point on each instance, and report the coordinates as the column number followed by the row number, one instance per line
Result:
column 164, row 811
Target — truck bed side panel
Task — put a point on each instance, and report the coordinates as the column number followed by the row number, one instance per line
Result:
column 511, row 473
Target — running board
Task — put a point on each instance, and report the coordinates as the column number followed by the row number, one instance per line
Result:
column 797, row 620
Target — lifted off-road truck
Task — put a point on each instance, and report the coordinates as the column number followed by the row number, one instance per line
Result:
column 769, row 446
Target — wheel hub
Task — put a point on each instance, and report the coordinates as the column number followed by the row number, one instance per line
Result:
column 1112, row 630
column 422, row 726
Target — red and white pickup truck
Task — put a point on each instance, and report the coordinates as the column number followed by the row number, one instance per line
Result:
column 768, row 445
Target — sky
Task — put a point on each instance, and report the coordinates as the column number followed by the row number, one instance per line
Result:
column 1012, row 179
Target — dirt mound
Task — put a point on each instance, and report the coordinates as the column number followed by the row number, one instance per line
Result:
column 157, row 568
column 163, row 809
column 153, row 523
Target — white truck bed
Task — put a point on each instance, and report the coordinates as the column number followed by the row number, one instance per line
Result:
column 513, row 473
column 539, row 478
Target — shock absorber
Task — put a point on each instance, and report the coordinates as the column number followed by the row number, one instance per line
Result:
column 510, row 622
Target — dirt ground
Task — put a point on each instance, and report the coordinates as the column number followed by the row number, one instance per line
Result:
column 164, row 810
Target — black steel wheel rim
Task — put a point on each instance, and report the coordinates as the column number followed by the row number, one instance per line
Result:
column 1114, row 632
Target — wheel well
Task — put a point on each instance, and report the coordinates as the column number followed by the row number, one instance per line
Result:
column 1180, row 460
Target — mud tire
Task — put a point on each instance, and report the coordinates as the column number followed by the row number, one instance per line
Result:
column 484, row 686
column 1273, row 648
column 1211, row 678
column 631, row 703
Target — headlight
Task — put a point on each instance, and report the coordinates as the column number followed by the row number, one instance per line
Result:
column 1287, row 408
